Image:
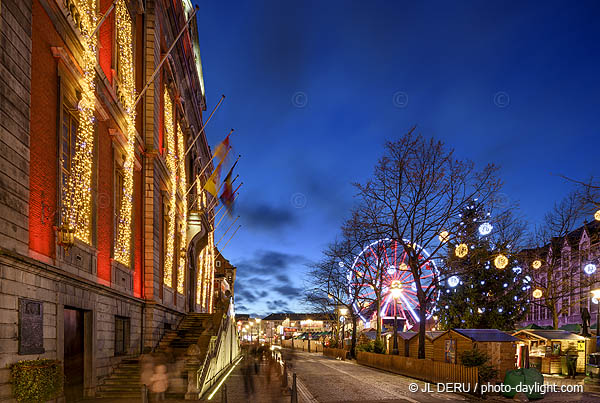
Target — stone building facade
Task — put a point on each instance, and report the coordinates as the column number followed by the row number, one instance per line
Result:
column 575, row 261
column 105, row 237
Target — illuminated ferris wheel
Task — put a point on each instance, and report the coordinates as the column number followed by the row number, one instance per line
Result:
column 389, row 259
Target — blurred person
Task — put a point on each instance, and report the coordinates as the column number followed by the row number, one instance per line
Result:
column 248, row 376
column 159, row 382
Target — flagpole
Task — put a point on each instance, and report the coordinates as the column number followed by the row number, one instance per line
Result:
column 230, row 225
column 220, row 208
column 232, row 235
column 204, row 169
column 204, row 125
column 217, row 200
column 164, row 58
column 106, row 13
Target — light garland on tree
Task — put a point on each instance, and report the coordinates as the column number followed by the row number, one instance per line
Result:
column 537, row 293
column 127, row 81
column 597, row 215
column 182, row 189
column 536, row 264
column 444, row 236
column 171, row 160
column 77, row 211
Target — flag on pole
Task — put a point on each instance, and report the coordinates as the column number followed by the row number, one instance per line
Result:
column 222, row 149
column 212, row 184
column 227, row 195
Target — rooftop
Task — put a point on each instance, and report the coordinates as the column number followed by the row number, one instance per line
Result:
column 483, row 335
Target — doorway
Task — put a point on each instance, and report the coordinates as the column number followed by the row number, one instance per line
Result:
column 74, row 354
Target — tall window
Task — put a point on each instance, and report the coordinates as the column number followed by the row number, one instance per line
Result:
column 121, row 335
column 70, row 123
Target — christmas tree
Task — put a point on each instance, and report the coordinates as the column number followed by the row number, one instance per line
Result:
column 484, row 288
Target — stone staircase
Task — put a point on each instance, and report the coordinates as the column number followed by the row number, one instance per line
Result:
column 183, row 349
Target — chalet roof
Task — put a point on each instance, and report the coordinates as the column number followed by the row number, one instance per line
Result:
column 550, row 334
column 430, row 335
column 483, row 335
column 403, row 335
column 299, row 316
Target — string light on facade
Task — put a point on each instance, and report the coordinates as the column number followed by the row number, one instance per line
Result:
column 182, row 189
column 461, row 250
column 444, row 236
column 537, row 293
column 77, row 210
column 127, row 82
column 536, row 264
column 485, row 228
column 590, row 268
column 501, row 261
column 171, row 160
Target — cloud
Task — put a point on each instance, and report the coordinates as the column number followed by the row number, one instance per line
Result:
column 264, row 217
column 282, row 278
column 288, row 291
column 277, row 305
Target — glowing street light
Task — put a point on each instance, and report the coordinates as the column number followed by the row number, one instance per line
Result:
column 396, row 290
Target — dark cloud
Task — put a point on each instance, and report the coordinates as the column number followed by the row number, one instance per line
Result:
column 265, row 217
column 278, row 305
column 288, row 291
column 282, row 278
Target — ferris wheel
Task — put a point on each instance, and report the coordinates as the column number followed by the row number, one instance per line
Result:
column 388, row 260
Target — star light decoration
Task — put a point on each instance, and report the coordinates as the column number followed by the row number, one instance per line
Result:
column 589, row 268
column 501, row 261
column 536, row 264
column 461, row 250
column 77, row 209
column 444, row 236
column 485, row 228
column 127, row 83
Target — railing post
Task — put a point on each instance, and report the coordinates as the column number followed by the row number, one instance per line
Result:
column 144, row 390
column 294, row 390
column 224, row 394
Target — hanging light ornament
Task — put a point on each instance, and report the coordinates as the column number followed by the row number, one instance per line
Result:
column 501, row 261
column 461, row 250
column 444, row 236
column 536, row 264
column 537, row 293
column 485, row 228
column 589, row 268
column 597, row 215
column 453, row 281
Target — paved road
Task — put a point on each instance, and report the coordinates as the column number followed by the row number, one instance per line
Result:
column 326, row 380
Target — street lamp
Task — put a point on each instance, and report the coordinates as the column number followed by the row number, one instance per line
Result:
column 596, row 294
column 396, row 290
column 343, row 312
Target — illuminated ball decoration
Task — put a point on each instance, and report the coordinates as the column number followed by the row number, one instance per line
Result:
column 341, row 264
column 453, row 281
column 461, row 250
column 589, row 268
column 597, row 215
column 501, row 261
column 444, row 236
column 536, row 264
column 537, row 293
column 485, row 228
column 595, row 300
column 403, row 267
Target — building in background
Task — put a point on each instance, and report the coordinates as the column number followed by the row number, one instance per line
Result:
column 577, row 272
column 279, row 326
column 102, row 246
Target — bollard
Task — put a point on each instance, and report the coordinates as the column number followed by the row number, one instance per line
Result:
column 294, row 398
column 224, row 394
column 144, row 394
column 284, row 380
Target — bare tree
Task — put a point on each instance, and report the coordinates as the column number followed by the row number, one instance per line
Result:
column 547, row 260
column 417, row 191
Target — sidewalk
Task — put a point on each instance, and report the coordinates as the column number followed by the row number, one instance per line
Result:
column 267, row 385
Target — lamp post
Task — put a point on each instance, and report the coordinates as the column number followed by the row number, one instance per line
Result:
column 596, row 294
column 343, row 312
column 396, row 290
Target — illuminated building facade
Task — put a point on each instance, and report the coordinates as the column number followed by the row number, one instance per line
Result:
column 102, row 246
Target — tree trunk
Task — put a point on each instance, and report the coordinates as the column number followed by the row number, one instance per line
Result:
column 378, row 317
column 554, row 318
column 422, row 320
column 353, row 343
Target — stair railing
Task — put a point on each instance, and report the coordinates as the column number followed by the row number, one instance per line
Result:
column 213, row 348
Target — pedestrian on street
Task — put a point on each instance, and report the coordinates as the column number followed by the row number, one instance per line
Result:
column 159, row 382
column 248, row 376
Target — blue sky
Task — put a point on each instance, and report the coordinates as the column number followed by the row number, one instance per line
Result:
column 313, row 89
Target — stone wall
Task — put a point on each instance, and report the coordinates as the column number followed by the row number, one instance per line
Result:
column 25, row 278
column 15, row 97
